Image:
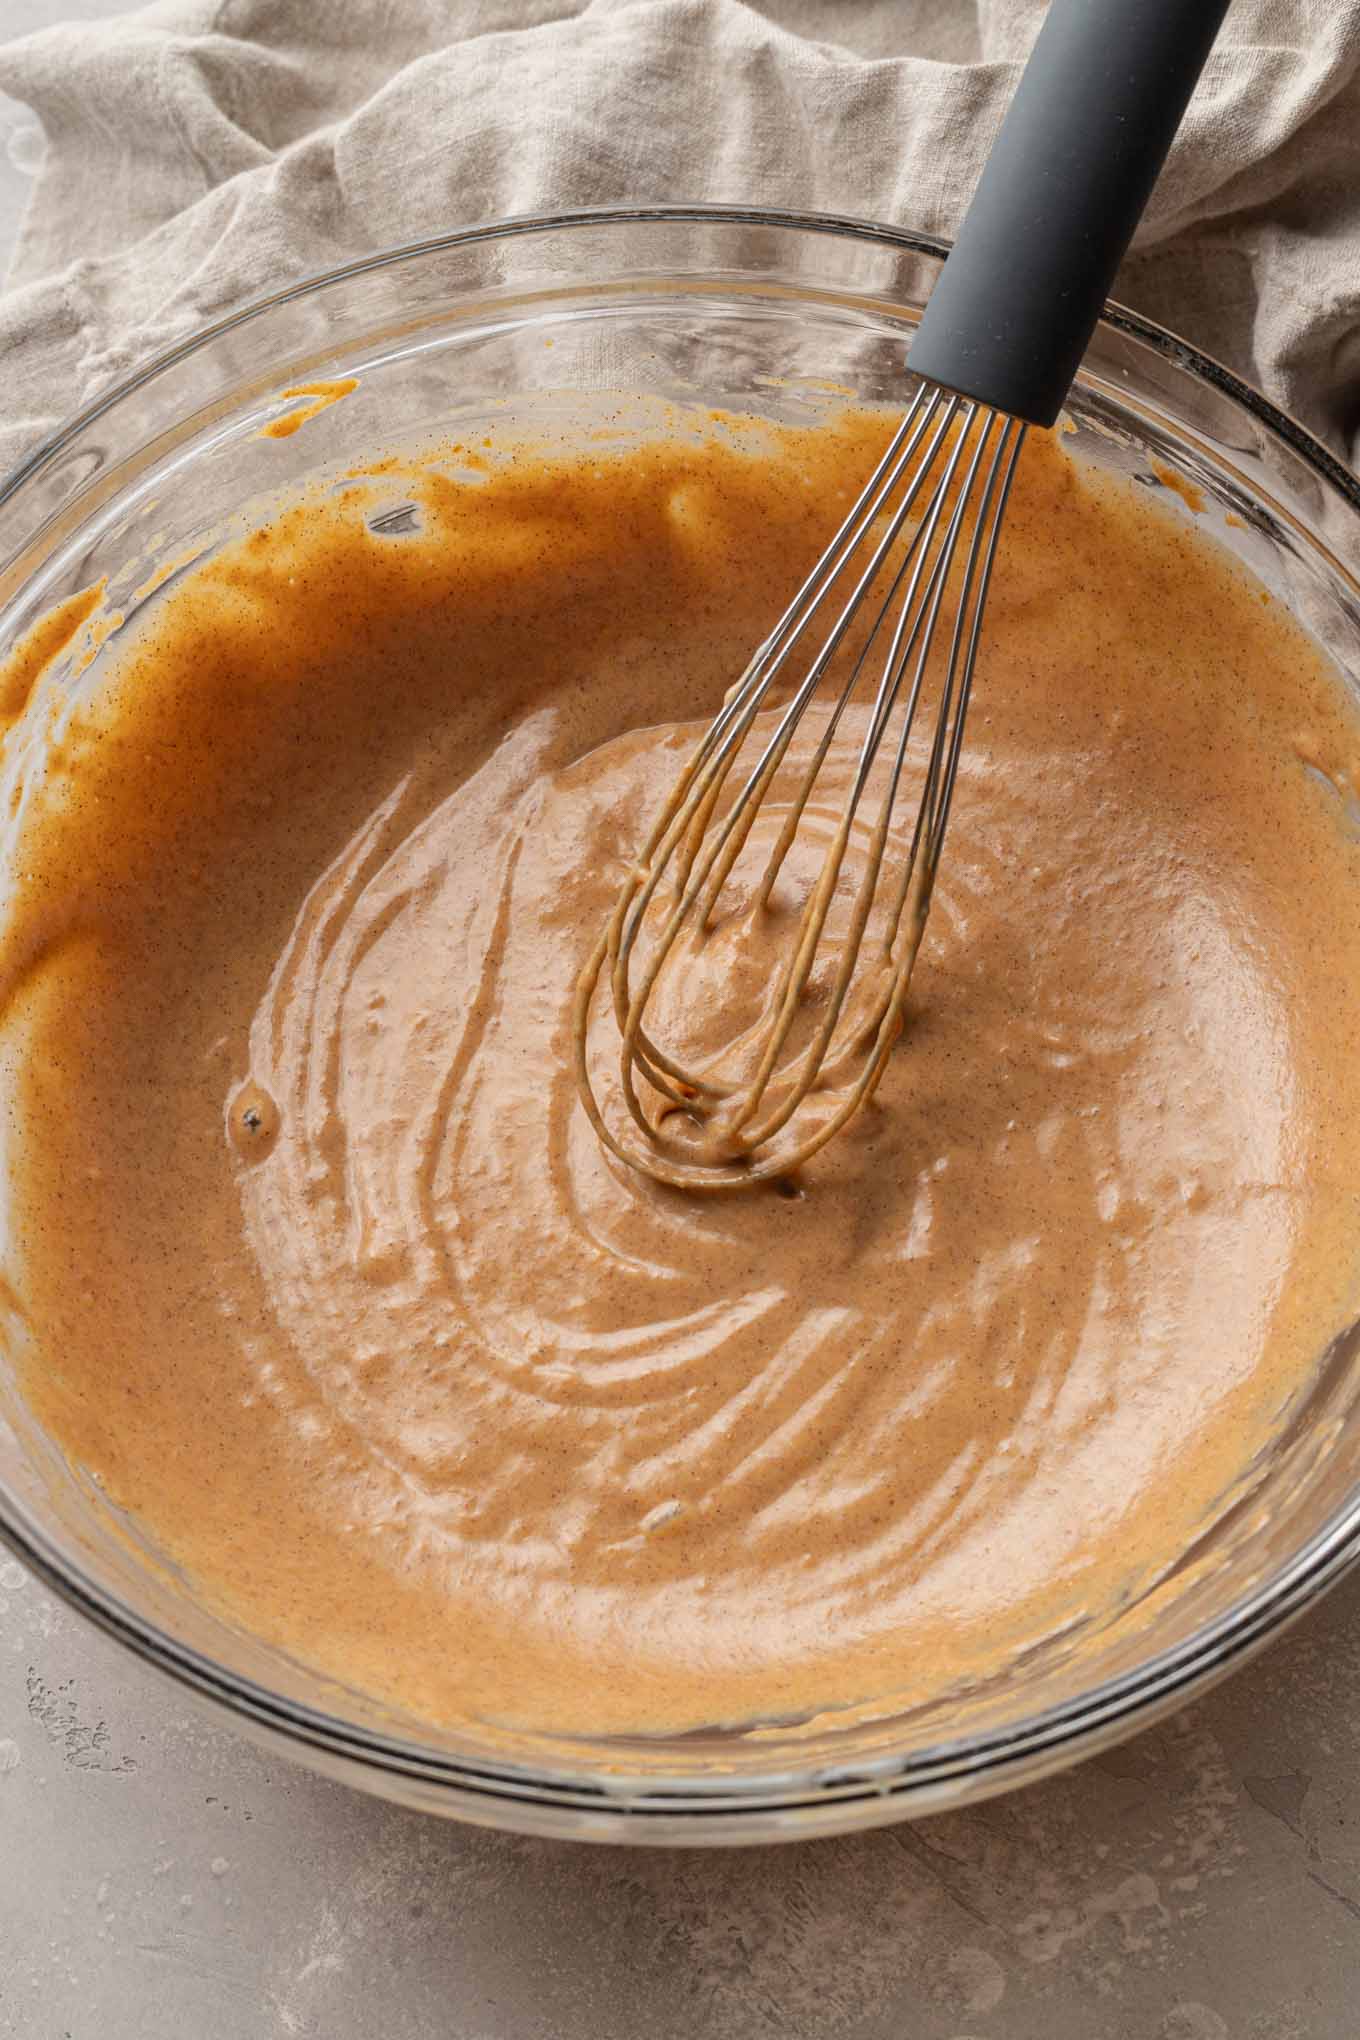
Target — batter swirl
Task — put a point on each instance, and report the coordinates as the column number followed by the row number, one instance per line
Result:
column 348, row 1303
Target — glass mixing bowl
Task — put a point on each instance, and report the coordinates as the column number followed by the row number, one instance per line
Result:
column 763, row 312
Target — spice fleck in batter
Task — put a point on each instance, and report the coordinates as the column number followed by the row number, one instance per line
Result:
column 324, row 1271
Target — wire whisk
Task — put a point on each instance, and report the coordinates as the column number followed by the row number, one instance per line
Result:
column 925, row 524
column 997, row 348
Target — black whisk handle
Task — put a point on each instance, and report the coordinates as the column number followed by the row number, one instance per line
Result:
column 1062, row 190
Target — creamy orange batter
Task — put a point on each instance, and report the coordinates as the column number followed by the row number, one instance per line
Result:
column 325, row 1273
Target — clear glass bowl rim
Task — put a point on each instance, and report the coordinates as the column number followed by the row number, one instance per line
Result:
column 824, row 1798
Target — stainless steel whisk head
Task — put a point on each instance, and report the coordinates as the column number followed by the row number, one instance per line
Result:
column 997, row 347
column 916, row 550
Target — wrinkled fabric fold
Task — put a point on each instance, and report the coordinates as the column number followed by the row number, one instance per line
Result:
column 201, row 152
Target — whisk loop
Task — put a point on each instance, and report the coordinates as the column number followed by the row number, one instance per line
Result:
column 926, row 524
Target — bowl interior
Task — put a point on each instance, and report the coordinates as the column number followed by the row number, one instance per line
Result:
column 779, row 317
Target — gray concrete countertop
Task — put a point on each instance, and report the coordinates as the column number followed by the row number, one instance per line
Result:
column 159, row 1880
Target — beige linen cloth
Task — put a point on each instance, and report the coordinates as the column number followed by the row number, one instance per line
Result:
column 201, row 152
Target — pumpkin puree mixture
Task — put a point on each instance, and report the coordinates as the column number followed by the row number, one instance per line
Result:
column 322, row 1269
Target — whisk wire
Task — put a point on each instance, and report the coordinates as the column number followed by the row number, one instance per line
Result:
column 943, row 440
column 914, row 622
column 918, row 874
column 693, row 802
column 743, row 700
column 937, row 792
column 701, row 783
